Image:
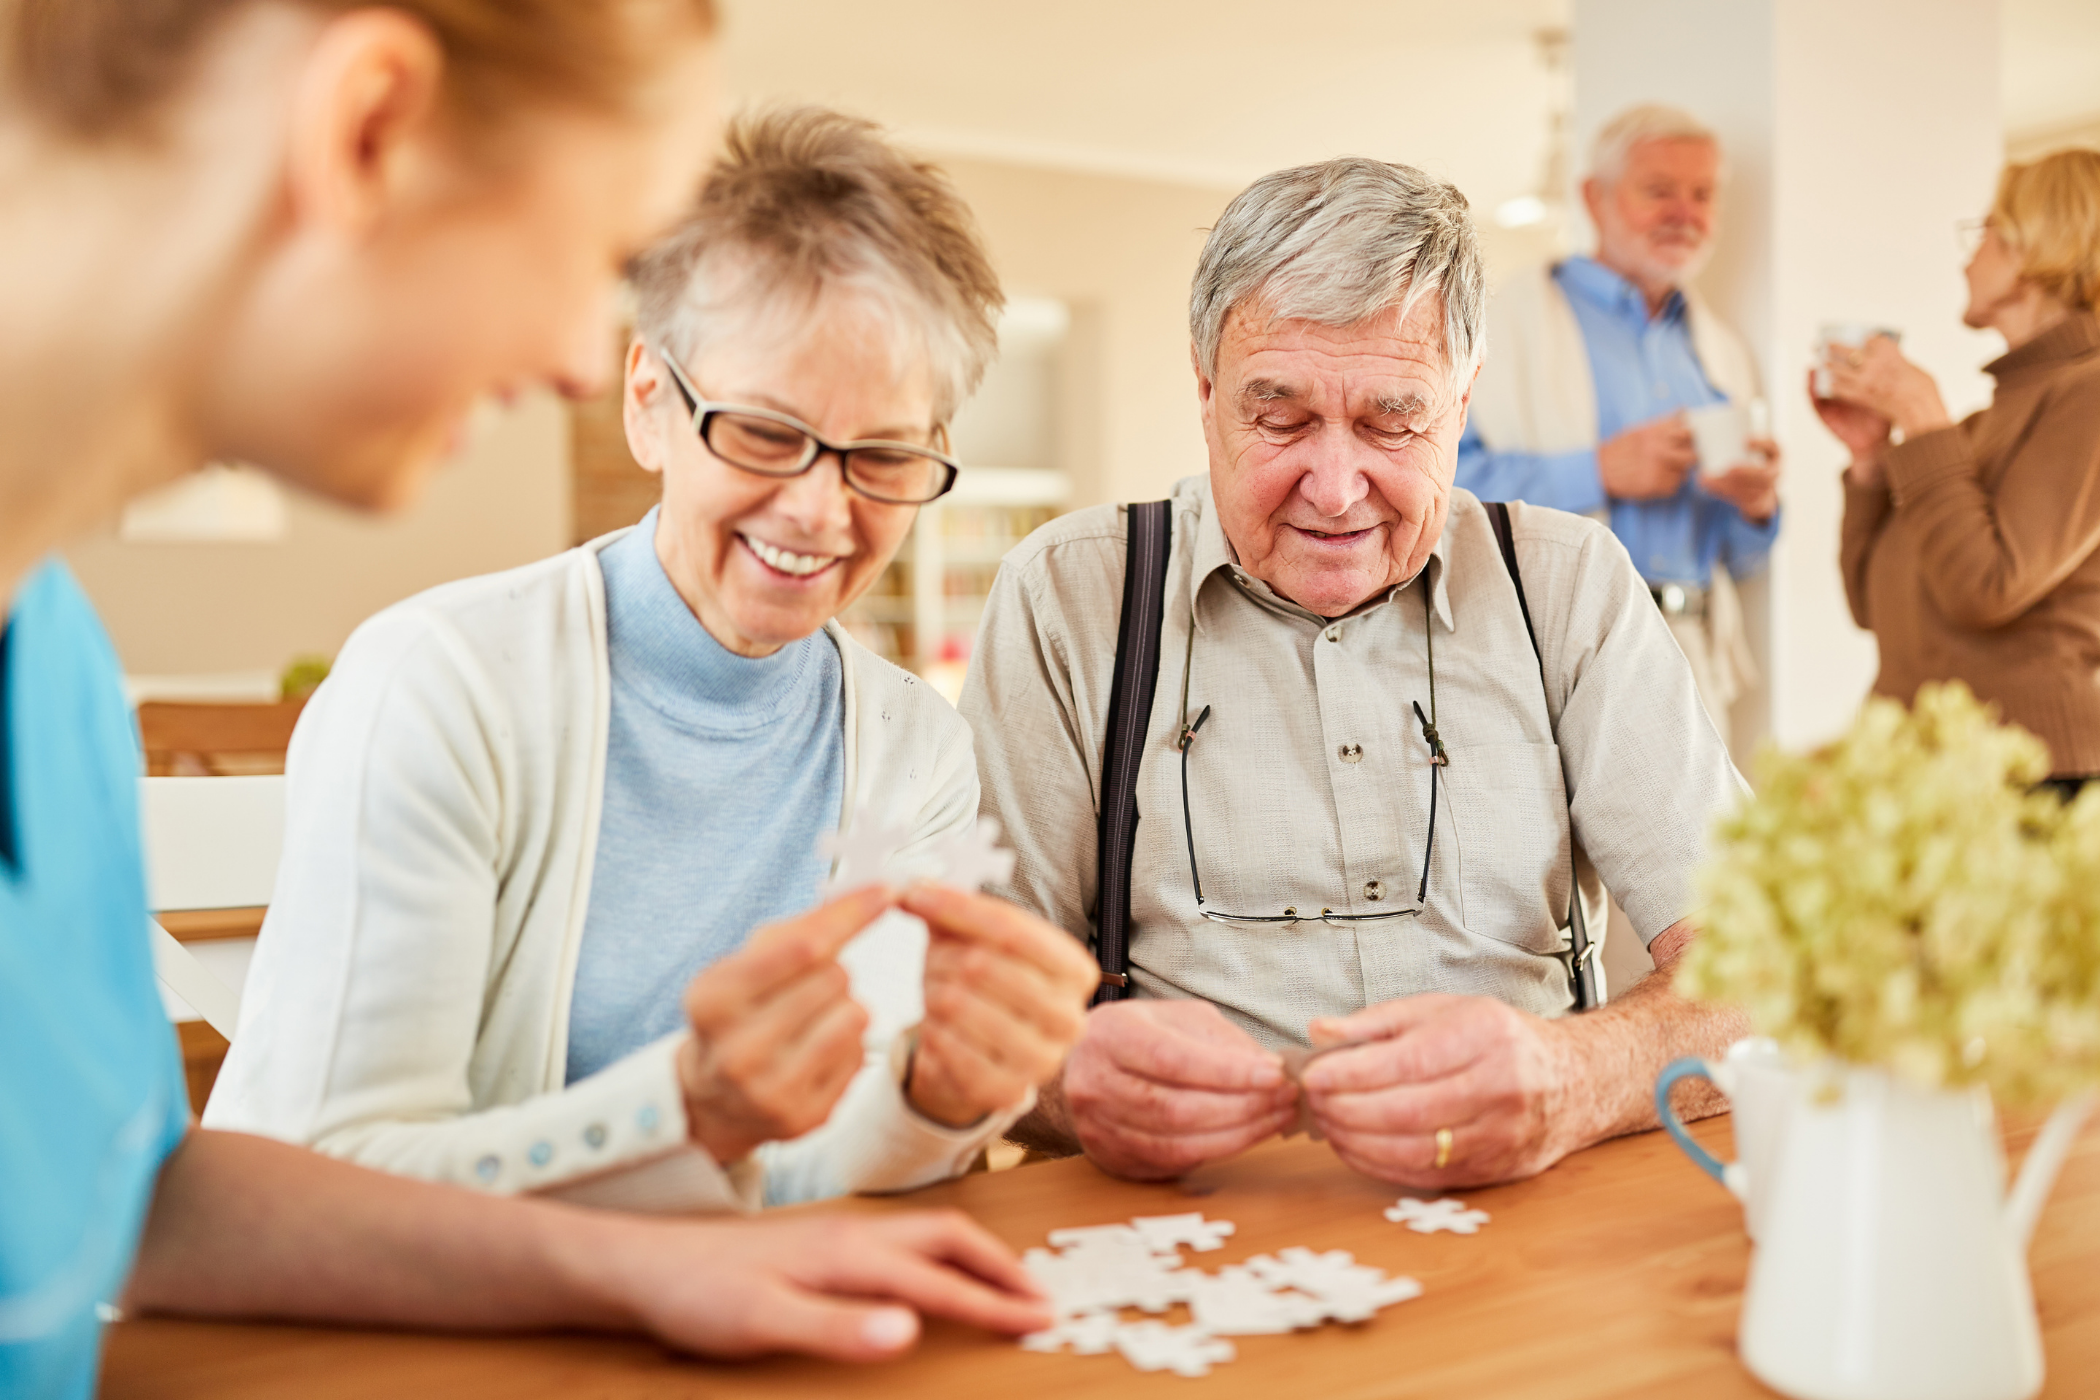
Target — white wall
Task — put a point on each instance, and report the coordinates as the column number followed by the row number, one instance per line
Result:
column 1857, row 134
column 193, row 607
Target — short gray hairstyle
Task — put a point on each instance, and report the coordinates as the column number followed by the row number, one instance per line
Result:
column 807, row 202
column 1651, row 121
column 1338, row 243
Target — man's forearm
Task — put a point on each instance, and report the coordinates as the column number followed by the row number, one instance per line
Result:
column 246, row 1227
column 1047, row 1128
column 1618, row 1050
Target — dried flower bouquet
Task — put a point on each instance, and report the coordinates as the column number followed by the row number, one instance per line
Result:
column 1905, row 898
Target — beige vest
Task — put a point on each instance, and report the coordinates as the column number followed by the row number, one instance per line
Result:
column 1536, row 393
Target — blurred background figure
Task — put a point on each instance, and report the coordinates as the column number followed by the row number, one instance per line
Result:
column 1592, row 365
column 1969, row 548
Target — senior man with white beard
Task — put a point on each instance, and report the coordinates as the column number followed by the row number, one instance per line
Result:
column 1364, row 789
column 1582, row 404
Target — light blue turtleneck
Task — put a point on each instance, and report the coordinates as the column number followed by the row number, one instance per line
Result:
column 720, row 773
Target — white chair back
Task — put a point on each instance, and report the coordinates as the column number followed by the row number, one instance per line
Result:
column 211, row 843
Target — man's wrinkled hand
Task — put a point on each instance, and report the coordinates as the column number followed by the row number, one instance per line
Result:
column 1751, row 487
column 776, row 1032
column 1648, row 461
column 1006, row 995
column 1492, row 1076
column 1157, row 1088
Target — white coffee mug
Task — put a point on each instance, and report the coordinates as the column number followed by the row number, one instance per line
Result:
column 1842, row 335
column 1758, row 1081
column 1721, row 435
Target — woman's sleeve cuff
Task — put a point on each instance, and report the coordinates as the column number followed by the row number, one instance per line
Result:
column 631, row 1149
column 1916, row 466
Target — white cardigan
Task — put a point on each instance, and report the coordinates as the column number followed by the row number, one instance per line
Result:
column 408, row 1007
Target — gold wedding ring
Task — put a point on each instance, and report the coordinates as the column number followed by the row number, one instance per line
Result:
column 1856, row 358
column 1443, row 1147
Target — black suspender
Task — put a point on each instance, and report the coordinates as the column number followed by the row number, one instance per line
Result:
column 1130, row 717
column 1150, row 529
column 1581, row 957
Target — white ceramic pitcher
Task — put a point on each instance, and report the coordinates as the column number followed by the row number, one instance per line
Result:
column 1891, row 1265
column 1759, row 1083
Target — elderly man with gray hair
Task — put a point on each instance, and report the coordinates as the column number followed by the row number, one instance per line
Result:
column 1378, row 734
column 1597, row 362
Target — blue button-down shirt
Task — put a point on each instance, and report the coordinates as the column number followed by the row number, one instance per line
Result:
column 1644, row 368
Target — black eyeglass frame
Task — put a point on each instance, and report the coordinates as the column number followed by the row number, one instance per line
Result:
column 1438, row 760
column 815, row 447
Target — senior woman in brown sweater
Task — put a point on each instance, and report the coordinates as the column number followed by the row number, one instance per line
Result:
column 1972, row 549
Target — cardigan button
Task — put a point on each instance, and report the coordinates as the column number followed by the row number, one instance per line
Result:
column 594, row 1136
column 645, row 1118
column 541, row 1154
column 488, row 1167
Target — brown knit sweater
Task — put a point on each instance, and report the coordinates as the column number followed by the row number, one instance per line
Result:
column 1979, row 559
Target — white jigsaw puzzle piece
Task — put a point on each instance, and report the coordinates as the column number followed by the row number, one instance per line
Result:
column 1101, row 1270
column 1186, row 1351
column 1096, row 1237
column 1163, row 1233
column 1098, row 1270
column 1348, row 1291
column 863, row 854
column 1088, row 1334
column 972, row 858
column 1427, row 1217
column 1236, row 1302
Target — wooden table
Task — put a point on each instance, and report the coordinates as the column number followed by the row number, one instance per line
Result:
column 1618, row 1273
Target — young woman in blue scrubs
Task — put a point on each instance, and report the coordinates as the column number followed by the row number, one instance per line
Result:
column 307, row 235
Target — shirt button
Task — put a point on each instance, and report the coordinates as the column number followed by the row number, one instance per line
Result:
column 541, row 1154
column 1350, row 753
column 594, row 1135
column 1374, row 890
column 1334, row 634
column 488, row 1166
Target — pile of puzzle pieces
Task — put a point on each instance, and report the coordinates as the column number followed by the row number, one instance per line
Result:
column 1099, row 1270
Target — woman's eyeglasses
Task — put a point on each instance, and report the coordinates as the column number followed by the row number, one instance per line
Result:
column 1969, row 234
column 766, row 443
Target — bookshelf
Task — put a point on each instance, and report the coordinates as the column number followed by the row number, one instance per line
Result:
column 922, row 612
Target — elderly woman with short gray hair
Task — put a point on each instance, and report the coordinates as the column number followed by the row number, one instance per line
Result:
column 1389, row 733
column 534, row 818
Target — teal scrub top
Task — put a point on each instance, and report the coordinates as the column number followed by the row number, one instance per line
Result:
column 91, row 1089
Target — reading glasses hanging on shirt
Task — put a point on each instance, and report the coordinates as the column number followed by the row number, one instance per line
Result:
column 1293, row 913
column 767, row 443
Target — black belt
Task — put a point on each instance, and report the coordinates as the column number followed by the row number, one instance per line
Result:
column 1679, row 599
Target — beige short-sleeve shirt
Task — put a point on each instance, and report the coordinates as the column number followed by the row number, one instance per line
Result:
column 1309, row 785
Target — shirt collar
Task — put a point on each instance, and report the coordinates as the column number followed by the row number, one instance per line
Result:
column 1213, row 556
column 1608, row 291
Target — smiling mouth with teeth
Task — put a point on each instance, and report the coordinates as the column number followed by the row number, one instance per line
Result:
column 786, row 561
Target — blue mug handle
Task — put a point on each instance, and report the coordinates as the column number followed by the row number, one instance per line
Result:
column 1691, row 1067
